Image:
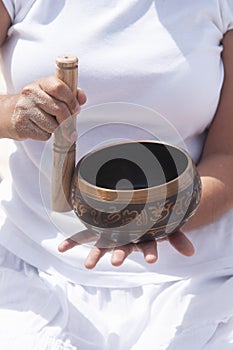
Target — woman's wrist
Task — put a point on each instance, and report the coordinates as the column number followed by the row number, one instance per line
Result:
column 7, row 106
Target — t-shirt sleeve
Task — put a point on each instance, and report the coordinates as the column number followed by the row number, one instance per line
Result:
column 227, row 14
column 17, row 9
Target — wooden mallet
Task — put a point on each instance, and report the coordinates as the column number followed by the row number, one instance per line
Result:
column 63, row 150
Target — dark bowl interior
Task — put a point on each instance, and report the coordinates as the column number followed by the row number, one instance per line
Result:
column 142, row 164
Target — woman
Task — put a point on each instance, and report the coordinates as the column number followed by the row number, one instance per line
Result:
column 169, row 56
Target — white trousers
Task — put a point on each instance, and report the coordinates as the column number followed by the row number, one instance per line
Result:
column 42, row 312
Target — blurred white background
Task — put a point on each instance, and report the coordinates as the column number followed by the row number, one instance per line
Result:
column 4, row 171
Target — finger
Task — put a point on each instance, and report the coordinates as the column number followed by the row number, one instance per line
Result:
column 67, row 244
column 68, row 124
column 119, row 254
column 36, row 133
column 54, row 107
column 149, row 250
column 85, row 236
column 51, row 106
column 94, row 256
column 102, row 246
column 181, row 243
column 82, row 237
column 43, row 120
column 59, row 112
column 59, row 90
column 81, row 96
column 58, row 109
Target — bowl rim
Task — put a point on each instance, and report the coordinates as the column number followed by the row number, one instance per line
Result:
column 138, row 195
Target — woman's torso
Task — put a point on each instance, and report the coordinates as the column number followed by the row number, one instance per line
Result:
column 150, row 69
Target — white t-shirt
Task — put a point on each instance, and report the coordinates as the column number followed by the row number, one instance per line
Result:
column 136, row 57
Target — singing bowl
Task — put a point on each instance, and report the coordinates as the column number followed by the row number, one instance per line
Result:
column 135, row 190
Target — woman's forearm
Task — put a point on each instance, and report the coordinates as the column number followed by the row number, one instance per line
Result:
column 216, row 173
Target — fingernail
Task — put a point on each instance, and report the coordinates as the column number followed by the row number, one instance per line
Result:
column 62, row 247
column 150, row 258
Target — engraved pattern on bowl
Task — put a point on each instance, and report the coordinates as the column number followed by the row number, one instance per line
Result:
column 144, row 211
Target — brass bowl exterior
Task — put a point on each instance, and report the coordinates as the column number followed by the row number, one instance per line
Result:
column 153, row 212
